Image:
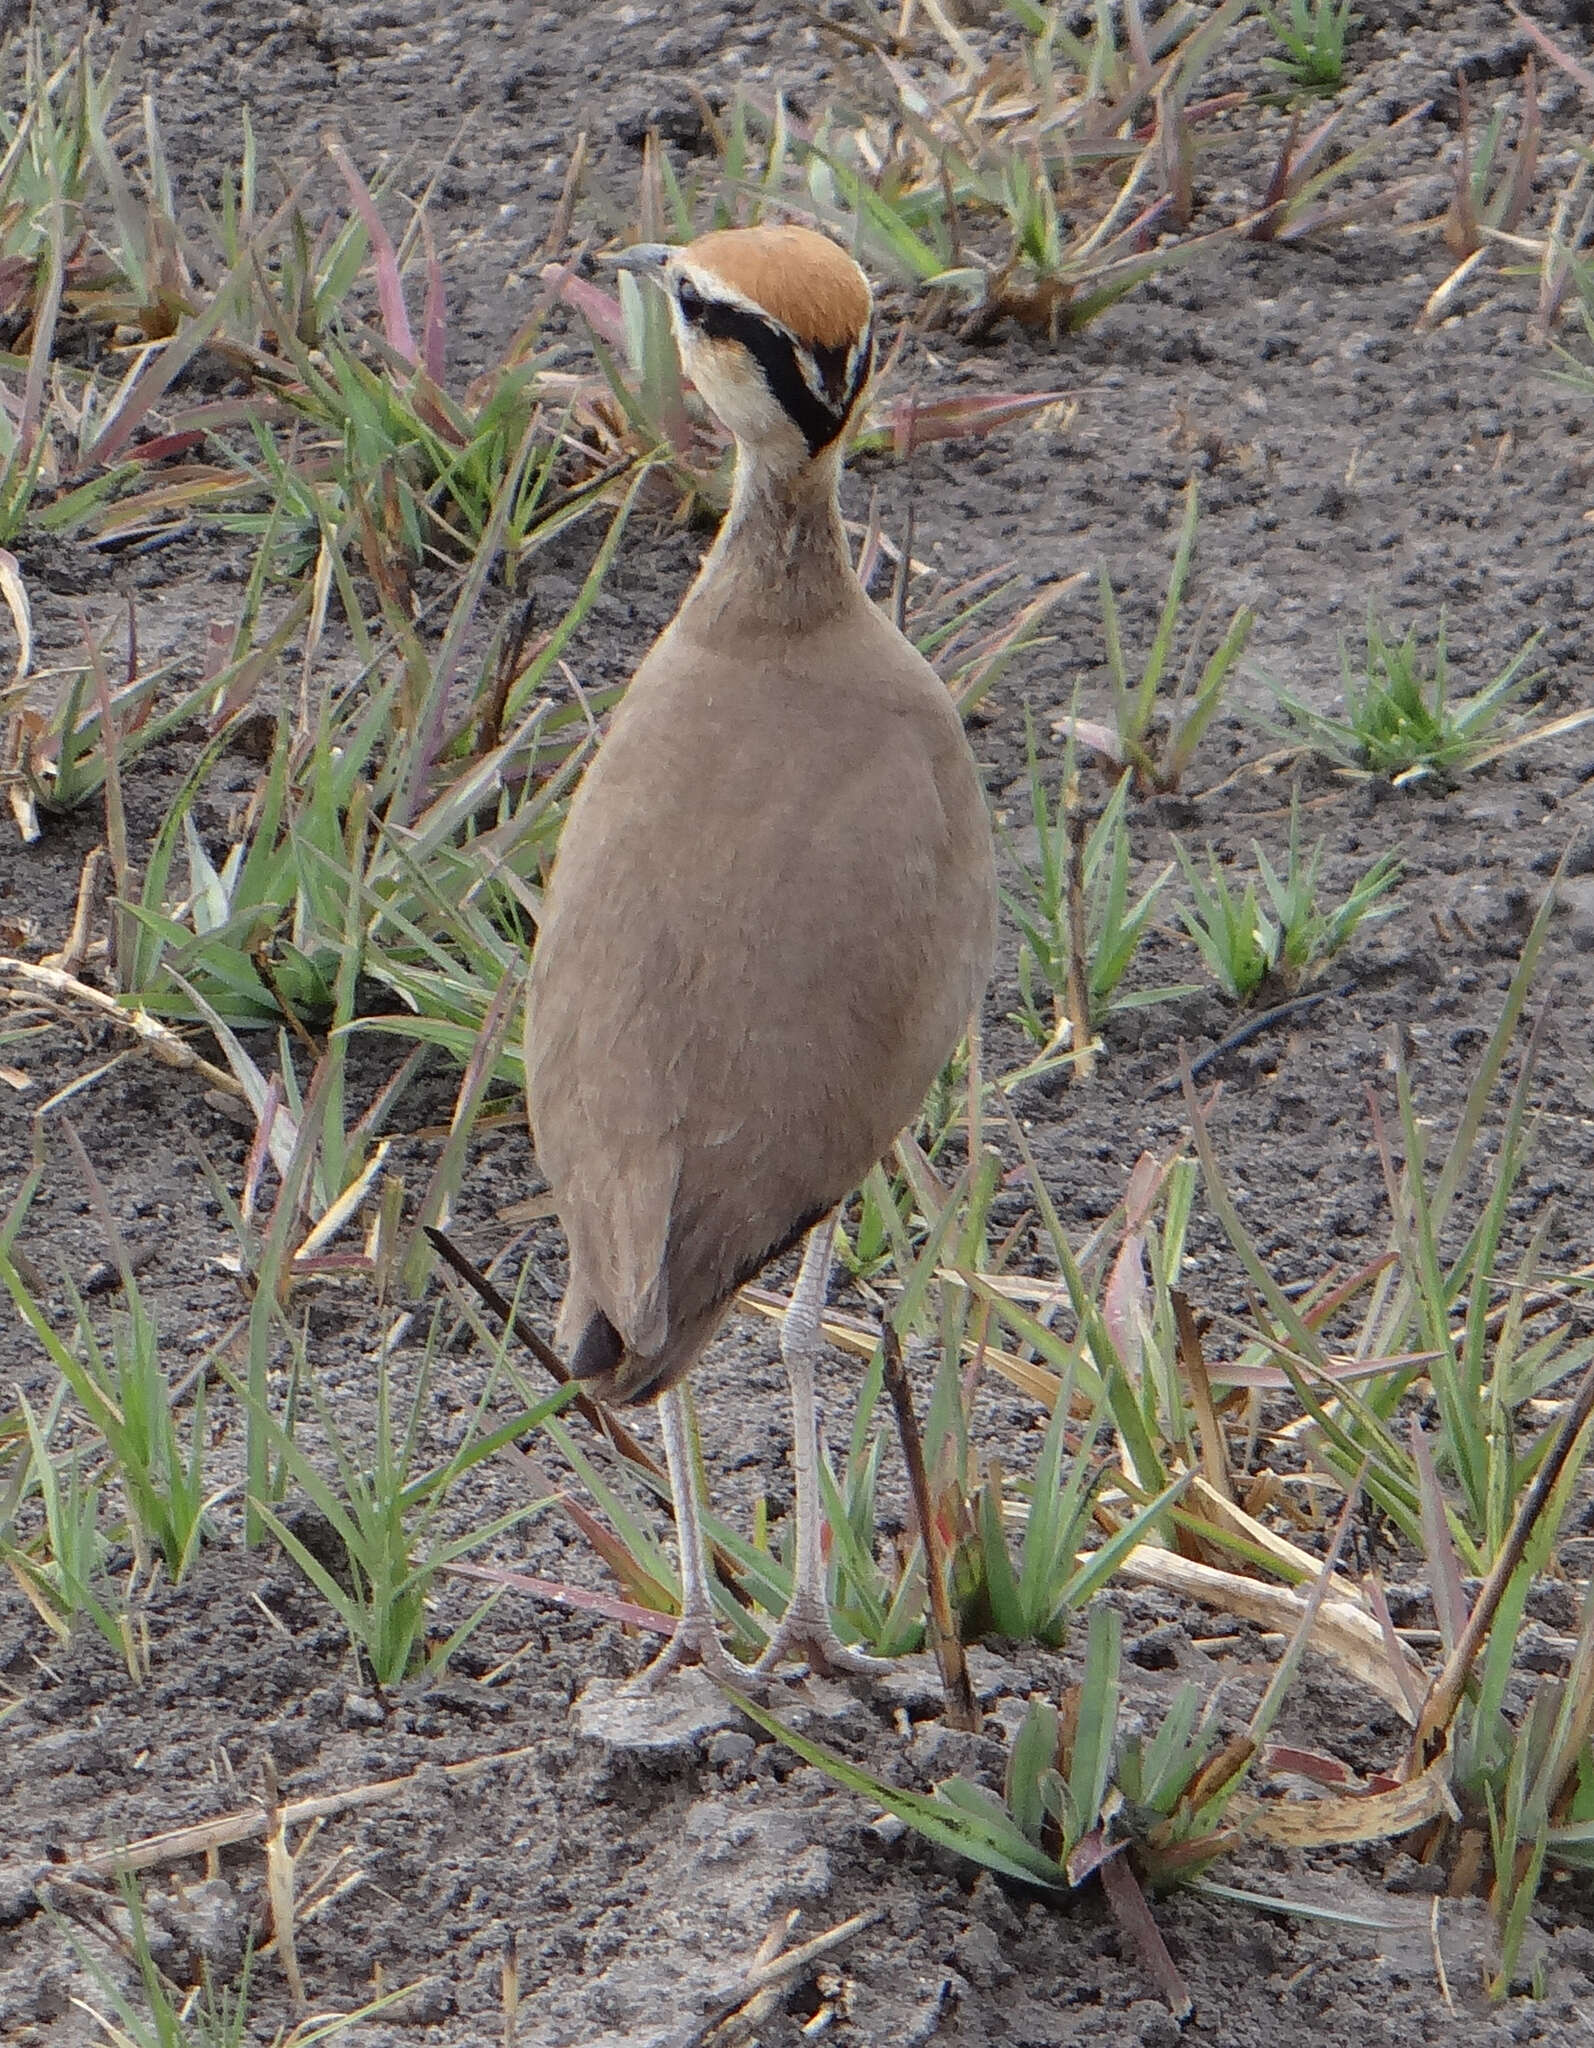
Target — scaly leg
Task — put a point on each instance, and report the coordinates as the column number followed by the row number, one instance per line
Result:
column 805, row 1631
column 696, row 1639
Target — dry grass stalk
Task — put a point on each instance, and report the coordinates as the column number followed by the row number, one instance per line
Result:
column 280, row 1875
column 1192, row 1361
column 71, row 956
column 204, row 1837
column 1448, row 1688
column 961, row 1709
column 736, row 2011
column 156, row 1038
column 1340, row 1631
column 599, row 1417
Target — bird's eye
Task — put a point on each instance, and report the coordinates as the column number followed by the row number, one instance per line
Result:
column 690, row 301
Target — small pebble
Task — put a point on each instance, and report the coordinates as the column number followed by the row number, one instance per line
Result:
column 1157, row 2026
column 978, row 1954
column 1406, row 1874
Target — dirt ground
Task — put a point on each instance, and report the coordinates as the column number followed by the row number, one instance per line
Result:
column 1347, row 460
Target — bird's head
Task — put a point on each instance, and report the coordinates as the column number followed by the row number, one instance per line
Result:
column 774, row 326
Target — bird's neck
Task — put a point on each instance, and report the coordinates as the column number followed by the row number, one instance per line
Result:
column 781, row 562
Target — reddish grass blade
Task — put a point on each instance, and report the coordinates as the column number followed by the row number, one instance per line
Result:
column 1133, row 1915
column 1398, row 1661
column 578, row 1597
column 613, row 1552
column 600, row 309
column 389, row 285
column 163, row 446
column 147, row 382
column 434, row 316
column 914, row 425
column 1308, row 1763
column 1573, row 69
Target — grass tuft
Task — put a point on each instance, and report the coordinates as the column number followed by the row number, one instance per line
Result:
column 1246, row 949
column 1156, row 730
column 1079, row 929
column 1311, row 35
column 1401, row 718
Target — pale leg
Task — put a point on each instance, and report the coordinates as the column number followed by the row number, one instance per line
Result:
column 696, row 1639
column 805, row 1629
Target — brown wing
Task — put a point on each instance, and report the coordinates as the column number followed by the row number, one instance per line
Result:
column 771, row 914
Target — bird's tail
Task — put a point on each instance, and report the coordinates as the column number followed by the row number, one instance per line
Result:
column 597, row 1350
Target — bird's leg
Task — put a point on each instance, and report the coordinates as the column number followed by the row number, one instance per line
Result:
column 696, row 1639
column 805, row 1631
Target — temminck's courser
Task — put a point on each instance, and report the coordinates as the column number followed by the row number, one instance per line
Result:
column 773, row 906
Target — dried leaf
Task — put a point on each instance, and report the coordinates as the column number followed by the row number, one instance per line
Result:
column 15, row 593
column 1343, row 1818
column 1217, row 1507
column 26, row 813
column 1126, row 1298
column 1341, row 1631
column 1089, row 732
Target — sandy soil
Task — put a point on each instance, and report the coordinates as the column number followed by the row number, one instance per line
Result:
column 1347, row 460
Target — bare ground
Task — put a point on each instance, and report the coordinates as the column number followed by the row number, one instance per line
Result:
column 1347, row 460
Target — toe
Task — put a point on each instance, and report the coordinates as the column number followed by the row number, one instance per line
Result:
column 810, row 1640
column 696, row 1641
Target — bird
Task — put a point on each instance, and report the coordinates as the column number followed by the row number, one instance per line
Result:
column 771, row 913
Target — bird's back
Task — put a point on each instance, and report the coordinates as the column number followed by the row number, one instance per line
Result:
column 771, row 914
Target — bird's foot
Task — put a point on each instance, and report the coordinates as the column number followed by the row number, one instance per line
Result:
column 805, row 1636
column 696, row 1641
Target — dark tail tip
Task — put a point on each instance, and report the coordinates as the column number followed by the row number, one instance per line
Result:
column 598, row 1350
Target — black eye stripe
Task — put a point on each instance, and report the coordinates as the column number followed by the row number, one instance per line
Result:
column 690, row 301
column 776, row 355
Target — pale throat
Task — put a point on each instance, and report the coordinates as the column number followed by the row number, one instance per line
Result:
column 781, row 559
